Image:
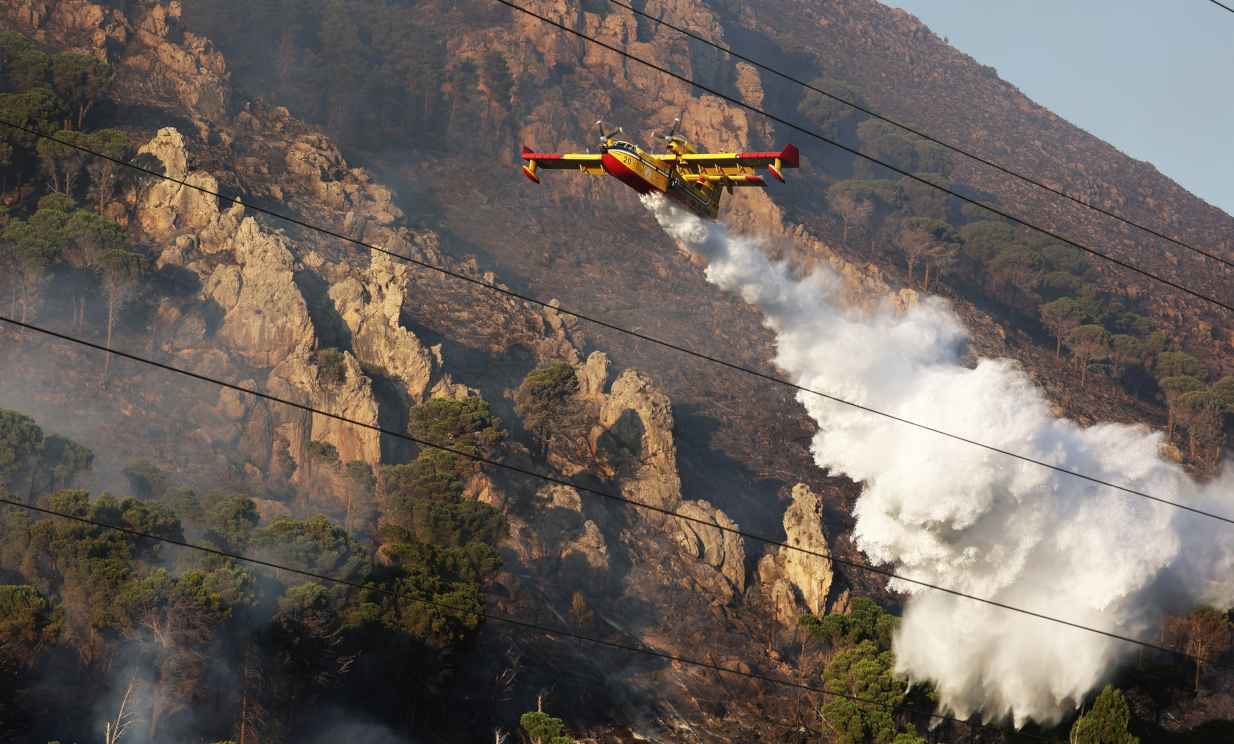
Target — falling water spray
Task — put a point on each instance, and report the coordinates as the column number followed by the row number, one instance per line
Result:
column 976, row 521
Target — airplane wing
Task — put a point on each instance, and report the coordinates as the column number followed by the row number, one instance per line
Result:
column 557, row 161
column 737, row 164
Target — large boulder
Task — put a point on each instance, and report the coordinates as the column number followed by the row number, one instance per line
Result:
column 808, row 569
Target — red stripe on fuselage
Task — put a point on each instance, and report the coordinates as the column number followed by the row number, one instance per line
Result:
column 622, row 172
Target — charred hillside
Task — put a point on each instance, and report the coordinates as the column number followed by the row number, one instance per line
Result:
column 399, row 125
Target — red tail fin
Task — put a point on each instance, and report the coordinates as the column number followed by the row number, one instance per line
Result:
column 789, row 157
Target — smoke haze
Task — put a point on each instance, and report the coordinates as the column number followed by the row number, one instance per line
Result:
column 972, row 520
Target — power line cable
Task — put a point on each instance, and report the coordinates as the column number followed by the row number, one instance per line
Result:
column 510, row 620
column 619, row 329
column 1220, row 5
column 953, row 148
column 858, row 153
column 604, row 494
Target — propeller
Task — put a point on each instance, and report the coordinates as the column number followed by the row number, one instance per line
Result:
column 604, row 138
column 672, row 131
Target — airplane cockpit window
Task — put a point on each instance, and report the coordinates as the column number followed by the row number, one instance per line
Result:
column 622, row 146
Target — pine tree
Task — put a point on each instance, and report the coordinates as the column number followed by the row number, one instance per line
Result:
column 1107, row 722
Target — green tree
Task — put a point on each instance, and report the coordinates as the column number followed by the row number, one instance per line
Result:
column 124, row 274
column 1174, row 388
column 544, row 397
column 1157, row 342
column 497, row 79
column 799, row 54
column 1203, row 413
column 1224, row 388
column 81, row 80
column 1107, row 722
column 147, row 480
column 1125, row 351
column 104, row 173
column 25, row 67
column 456, row 525
column 431, row 476
column 450, row 423
column 1019, row 269
column 1088, row 344
column 1061, row 317
column 88, row 236
column 864, row 672
column 229, row 520
column 21, row 440
column 61, row 459
column 322, row 452
column 984, row 241
column 315, row 545
column 61, row 160
column 864, row 621
column 28, row 624
column 1173, row 364
column 414, row 53
column 38, row 110
column 333, row 366
column 544, row 729
column 34, row 255
column 837, row 120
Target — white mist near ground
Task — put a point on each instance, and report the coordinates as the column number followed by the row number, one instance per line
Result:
column 972, row 520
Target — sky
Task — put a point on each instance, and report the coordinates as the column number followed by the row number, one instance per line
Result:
column 1154, row 78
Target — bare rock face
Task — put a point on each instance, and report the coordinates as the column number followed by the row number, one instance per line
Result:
column 170, row 208
column 720, row 550
column 593, row 377
column 298, row 379
column 158, row 57
column 371, row 310
column 268, row 319
column 557, row 538
column 811, row 575
column 634, row 441
column 353, row 399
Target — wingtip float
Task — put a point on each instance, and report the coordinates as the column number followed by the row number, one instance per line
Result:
column 695, row 179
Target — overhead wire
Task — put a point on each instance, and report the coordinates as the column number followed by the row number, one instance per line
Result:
column 604, row 494
column 923, row 135
column 858, row 153
column 635, row 334
column 1221, row 5
column 509, row 620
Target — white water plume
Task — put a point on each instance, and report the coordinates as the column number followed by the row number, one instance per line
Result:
column 976, row 521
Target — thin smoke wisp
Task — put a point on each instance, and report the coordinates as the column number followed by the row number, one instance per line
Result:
column 972, row 520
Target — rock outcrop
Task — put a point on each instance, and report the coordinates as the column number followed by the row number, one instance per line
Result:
column 796, row 578
column 634, row 442
column 722, row 550
column 557, row 539
column 371, row 310
column 267, row 319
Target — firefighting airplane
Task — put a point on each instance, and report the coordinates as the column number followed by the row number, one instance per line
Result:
column 693, row 178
